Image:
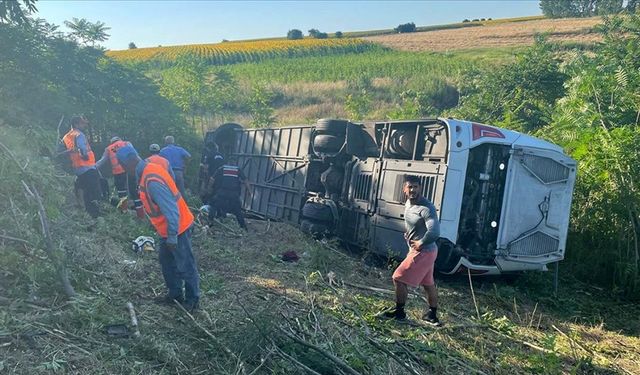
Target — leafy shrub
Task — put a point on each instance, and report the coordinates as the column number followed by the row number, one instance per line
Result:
column 338, row 34
column 520, row 95
column 405, row 28
column 294, row 34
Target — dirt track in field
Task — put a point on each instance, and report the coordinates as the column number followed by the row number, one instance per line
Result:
column 491, row 36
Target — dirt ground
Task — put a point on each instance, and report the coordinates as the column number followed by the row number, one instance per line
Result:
column 577, row 30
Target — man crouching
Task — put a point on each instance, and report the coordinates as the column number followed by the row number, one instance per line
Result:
column 172, row 219
column 422, row 230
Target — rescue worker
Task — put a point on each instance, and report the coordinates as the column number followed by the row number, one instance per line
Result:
column 83, row 163
column 422, row 230
column 177, row 157
column 154, row 149
column 211, row 160
column 125, row 187
column 172, row 219
column 226, row 188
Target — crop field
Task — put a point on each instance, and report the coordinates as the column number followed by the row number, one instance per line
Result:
column 494, row 34
column 244, row 51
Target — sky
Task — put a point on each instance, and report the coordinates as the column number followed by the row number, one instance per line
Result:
column 150, row 23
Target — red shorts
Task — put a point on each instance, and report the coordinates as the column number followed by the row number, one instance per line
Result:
column 417, row 268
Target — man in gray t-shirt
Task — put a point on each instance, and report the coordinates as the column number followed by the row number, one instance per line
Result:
column 422, row 230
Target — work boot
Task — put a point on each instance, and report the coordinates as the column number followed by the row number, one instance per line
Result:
column 431, row 318
column 168, row 300
column 398, row 315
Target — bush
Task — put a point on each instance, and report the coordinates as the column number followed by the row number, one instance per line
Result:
column 465, row 20
column 317, row 34
column 132, row 45
column 294, row 34
column 338, row 34
column 406, row 28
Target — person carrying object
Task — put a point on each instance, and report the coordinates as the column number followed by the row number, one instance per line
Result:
column 173, row 221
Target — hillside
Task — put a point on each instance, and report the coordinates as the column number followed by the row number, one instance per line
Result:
column 492, row 35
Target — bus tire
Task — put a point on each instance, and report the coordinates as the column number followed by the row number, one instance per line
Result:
column 331, row 126
column 327, row 143
column 317, row 211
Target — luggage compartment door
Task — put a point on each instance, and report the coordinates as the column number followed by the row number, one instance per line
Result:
column 388, row 234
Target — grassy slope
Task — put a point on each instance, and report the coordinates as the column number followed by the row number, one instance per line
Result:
column 250, row 298
column 315, row 87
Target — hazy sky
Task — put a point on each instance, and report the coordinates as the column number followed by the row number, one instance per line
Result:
column 151, row 23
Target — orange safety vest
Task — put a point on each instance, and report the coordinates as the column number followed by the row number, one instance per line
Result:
column 116, row 167
column 155, row 173
column 157, row 159
column 77, row 161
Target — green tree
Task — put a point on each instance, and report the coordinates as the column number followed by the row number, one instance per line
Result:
column 520, row 95
column 12, row 11
column 294, row 34
column 88, row 33
column 260, row 106
column 598, row 122
column 406, row 28
column 579, row 8
column 132, row 45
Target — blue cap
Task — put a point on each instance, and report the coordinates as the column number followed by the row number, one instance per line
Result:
column 126, row 153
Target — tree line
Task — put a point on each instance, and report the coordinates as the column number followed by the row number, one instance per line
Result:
column 585, row 8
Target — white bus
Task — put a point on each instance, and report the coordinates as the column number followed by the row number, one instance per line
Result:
column 503, row 198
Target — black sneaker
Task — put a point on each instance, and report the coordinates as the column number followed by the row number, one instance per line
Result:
column 168, row 300
column 393, row 313
column 431, row 318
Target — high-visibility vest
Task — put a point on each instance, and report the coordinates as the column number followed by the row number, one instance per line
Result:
column 77, row 161
column 116, row 167
column 157, row 159
column 155, row 173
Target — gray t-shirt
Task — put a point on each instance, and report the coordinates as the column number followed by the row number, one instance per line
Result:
column 421, row 223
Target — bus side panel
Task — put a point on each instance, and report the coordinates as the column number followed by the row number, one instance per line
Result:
column 275, row 163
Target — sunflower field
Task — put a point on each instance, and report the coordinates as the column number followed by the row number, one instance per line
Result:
column 226, row 53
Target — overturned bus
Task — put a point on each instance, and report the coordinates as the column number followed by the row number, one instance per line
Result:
column 503, row 198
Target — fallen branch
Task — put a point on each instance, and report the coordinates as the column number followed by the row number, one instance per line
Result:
column 326, row 354
column 296, row 362
column 593, row 353
column 46, row 233
column 218, row 342
column 14, row 239
column 12, row 156
column 263, row 360
column 134, row 320
column 392, row 355
column 473, row 294
column 525, row 343
column 383, row 291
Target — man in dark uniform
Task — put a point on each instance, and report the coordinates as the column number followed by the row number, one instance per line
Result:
column 211, row 160
column 226, row 187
